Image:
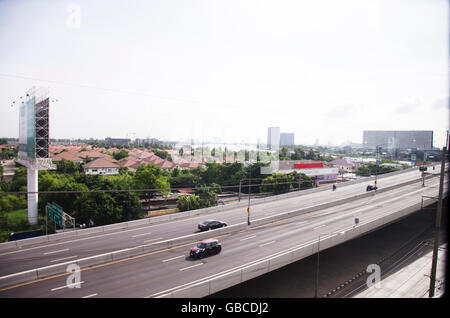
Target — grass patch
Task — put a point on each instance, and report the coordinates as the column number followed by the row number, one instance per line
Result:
column 18, row 222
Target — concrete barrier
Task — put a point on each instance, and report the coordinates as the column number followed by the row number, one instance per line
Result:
column 52, row 269
column 255, row 270
column 280, row 261
column 13, row 279
column 94, row 260
column 125, row 253
column 197, row 289
column 89, row 231
column 8, row 245
column 117, row 226
column 33, row 240
column 224, row 281
column 61, row 236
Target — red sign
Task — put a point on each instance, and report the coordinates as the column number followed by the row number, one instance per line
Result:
column 309, row 165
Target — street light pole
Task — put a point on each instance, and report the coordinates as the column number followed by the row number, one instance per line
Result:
column 318, row 255
column 376, row 170
column 438, row 225
column 240, row 184
column 249, row 192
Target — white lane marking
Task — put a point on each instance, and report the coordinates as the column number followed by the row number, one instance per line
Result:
column 66, row 286
column 170, row 259
column 182, row 269
column 267, row 243
column 247, row 238
column 155, row 239
column 317, row 227
column 137, row 235
column 91, row 295
column 62, row 259
column 53, row 252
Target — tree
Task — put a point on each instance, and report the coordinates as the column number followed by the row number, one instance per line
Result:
column 284, row 153
column 151, row 177
column 204, row 197
column 11, row 202
column 279, row 183
column 120, row 155
column 189, row 202
column 163, row 154
column 299, row 154
column 67, row 166
column 184, row 180
column 207, row 195
column 19, row 180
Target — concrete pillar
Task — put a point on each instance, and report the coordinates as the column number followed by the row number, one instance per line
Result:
column 32, row 198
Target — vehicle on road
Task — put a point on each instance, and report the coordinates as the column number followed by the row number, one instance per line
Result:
column 210, row 225
column 206, row 248
column 371, row 187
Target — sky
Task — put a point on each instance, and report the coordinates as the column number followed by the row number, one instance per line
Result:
column 227, row 70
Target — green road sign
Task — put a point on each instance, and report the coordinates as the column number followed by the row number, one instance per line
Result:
column 54, row 212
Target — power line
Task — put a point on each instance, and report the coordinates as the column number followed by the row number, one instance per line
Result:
column 109, row 89
column 148, row 190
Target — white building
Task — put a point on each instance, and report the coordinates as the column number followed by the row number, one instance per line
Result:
column 287, row 140
column 273, row 138
column 102, row 166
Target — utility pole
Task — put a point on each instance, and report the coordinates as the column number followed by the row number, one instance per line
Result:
column 438, row 226
column 248, row 208
column 376, row 171
column 240, row 184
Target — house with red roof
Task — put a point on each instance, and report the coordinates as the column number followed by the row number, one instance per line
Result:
column 343, row 165
column 101, row 166
column 92, row 154
column 67, row 155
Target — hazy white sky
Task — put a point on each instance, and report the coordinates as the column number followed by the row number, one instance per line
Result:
column 180, row 69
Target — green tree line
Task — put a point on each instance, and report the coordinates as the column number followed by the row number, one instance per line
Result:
column 103, row 208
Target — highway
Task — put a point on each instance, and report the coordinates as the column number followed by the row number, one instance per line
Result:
column 161, row 272
column 45, row 254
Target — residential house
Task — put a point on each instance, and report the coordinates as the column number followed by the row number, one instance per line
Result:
column 103, row 166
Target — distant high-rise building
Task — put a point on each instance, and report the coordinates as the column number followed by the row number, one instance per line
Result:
column 118, row 141
column 399, row 139
column 273, row 138
column 287, row 140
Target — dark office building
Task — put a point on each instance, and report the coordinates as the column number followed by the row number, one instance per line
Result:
column 117, row 141
column 399, row 139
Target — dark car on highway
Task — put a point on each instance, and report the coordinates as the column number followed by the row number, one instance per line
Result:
column 371, row 187
column 210, row 225
column 206, row 248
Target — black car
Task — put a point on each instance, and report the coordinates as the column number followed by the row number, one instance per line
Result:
column 371, row 187
column 206, row 248
column 210, row 225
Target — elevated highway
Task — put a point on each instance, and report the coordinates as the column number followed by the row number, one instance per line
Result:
column 284, row 229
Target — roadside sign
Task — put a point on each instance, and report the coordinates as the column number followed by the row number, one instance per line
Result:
column 55, row 212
